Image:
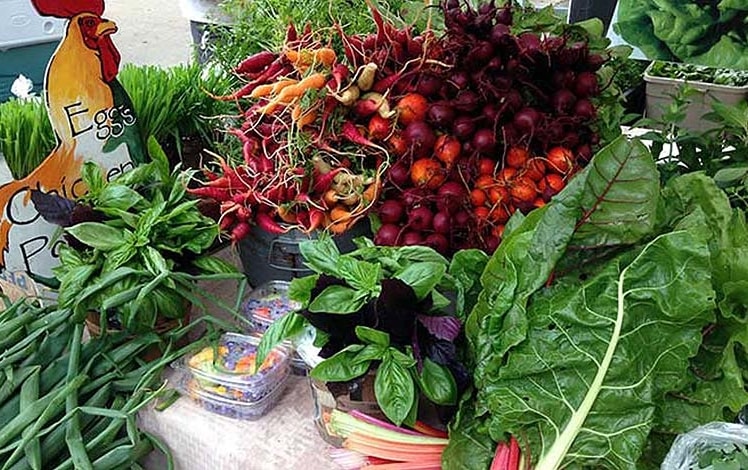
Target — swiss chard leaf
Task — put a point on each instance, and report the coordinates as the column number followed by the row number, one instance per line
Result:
column 583, row 385
column 622, row 188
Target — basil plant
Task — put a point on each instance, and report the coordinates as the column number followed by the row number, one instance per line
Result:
column 385, row 309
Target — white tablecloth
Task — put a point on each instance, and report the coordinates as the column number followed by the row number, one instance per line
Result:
column 283, row 439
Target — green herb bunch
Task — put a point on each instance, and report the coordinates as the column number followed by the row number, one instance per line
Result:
column 26, row 135
column 137, row 246
column 383, row 309
column 171, row 103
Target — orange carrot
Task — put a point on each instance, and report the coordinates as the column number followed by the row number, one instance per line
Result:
column 325, row 56
column 261, row 91
column 291, row 92
column 281, row 84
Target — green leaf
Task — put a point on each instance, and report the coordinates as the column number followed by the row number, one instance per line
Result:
column 405, row 360
column 286, row 327
column 371, row 352
column 339, row 300
column 470, row 445
column 116, row 196
column 616, row 342
column 301, row 288
column 158, row 158
column 622, row 188
column 372, row 336
column 466, row 267
column 214, row 265
column 418, row 253
column 359, row 274
column 154, row 261
column 394, row 389
column 97, row 235
column 341, row 367
column 437, row 383
column 321, row 255
column 422, row 277
column 93, row 176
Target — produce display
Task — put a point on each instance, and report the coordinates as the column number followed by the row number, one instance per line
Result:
column 443, row 137
column 691, row 31
column 539, row 291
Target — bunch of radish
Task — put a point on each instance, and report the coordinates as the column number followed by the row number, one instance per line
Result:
column 500, row 129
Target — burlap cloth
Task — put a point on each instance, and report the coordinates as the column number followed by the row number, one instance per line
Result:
column 283, row 439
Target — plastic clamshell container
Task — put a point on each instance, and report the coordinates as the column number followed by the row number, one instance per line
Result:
column 232, row 374
column 660, row 89
column 267, row 303
column 249, row 411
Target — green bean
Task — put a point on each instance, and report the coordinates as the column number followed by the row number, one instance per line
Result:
column 8, row 327
column 73, row 435
column 29, row 394
column 123, row 353
column 123, row 455
column 51, row 347
column 19, row 376
column 43, row 406
column 8, row 359
column 10, row 310
column 159, row 445
column 54, row 443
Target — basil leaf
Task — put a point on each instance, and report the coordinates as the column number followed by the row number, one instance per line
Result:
column 92, row 175
column 437, row 383
column 371, row 352
column 405, row 360
column 286, row 327
column 338, row 299
column 359, row 274
column 301, row 288
column 321, row 255
column 97, row 235
column 394, row 389
column 423, row 277
column 117, row 196
column 372, row 336
column 417, row 254
column 341, row 367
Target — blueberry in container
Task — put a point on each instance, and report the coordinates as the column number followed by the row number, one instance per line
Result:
column 228, row 370
column 267, row 303
column 243, row 410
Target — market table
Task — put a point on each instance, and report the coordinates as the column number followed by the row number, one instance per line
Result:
column 285, row 438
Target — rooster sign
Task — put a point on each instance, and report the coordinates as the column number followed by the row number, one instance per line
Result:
column 93, row 119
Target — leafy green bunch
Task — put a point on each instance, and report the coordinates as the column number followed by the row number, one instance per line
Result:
column 610, row 320
column 138, row 244
column 259, row 26
column 698, row 32
column 384, row 309
column 26, row 136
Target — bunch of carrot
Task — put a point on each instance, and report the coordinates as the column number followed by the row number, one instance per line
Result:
column 372, row 443
column 306, row 162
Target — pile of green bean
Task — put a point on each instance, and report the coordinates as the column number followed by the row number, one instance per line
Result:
column 71, row 404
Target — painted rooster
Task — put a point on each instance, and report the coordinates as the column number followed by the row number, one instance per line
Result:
column 92, row 117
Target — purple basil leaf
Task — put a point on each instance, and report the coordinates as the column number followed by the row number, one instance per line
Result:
column 397, row 308
column 444, row 327
column 53, row 208
column 417, row 350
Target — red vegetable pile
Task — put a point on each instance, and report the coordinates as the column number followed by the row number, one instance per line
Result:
column 499, row 130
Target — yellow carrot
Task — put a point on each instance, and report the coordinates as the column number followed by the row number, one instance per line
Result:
column 281, row 84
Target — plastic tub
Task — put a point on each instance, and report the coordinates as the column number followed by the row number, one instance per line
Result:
column 233, row 374
column 267, row 303
column 660, row 89
column 250, row 411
